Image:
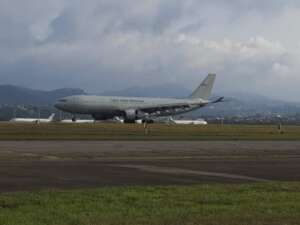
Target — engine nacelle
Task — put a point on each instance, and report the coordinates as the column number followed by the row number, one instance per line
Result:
column 131, row 114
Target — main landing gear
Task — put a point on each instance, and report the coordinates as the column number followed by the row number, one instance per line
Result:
column 74, row 118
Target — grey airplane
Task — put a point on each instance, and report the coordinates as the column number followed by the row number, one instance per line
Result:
column 132, row 109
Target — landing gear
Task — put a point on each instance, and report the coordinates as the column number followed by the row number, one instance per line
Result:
column 147, row 121
column 129, row 121
column 101, row 117
column 74, row 118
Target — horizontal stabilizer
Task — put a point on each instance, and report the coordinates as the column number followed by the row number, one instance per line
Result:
column 221, row 99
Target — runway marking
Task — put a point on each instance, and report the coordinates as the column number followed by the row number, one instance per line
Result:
column 177, row 171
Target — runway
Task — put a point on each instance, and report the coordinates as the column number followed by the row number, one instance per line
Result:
column 32, row 165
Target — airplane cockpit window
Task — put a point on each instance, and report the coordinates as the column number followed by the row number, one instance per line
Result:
column 63, row 100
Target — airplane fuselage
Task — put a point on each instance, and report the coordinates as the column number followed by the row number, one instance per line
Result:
column 33, row 120
column 190, row 122
column 105, row 107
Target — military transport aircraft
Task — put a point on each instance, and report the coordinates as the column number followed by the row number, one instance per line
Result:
column 132, row 109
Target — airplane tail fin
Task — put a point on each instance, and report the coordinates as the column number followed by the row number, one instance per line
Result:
column 205, row 88
column 51, row 117
column 171, row 120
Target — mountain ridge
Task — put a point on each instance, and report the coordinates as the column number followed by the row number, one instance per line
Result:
column 235, row 103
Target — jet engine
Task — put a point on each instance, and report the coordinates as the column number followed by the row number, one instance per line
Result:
column 131, row 115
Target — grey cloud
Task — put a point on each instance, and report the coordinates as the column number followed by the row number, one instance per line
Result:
column 63, row 28
column 110, row 44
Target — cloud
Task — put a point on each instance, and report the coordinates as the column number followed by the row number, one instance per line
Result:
column 109, row 44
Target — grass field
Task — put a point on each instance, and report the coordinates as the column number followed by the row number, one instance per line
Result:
column 259, row 204
column 106, row 131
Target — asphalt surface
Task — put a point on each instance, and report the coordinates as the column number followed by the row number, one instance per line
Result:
column 35, row 165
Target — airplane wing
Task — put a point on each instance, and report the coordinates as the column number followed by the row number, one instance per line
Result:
column 165, row 110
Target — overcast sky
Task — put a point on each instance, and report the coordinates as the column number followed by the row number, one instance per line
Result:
column 99, row 45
